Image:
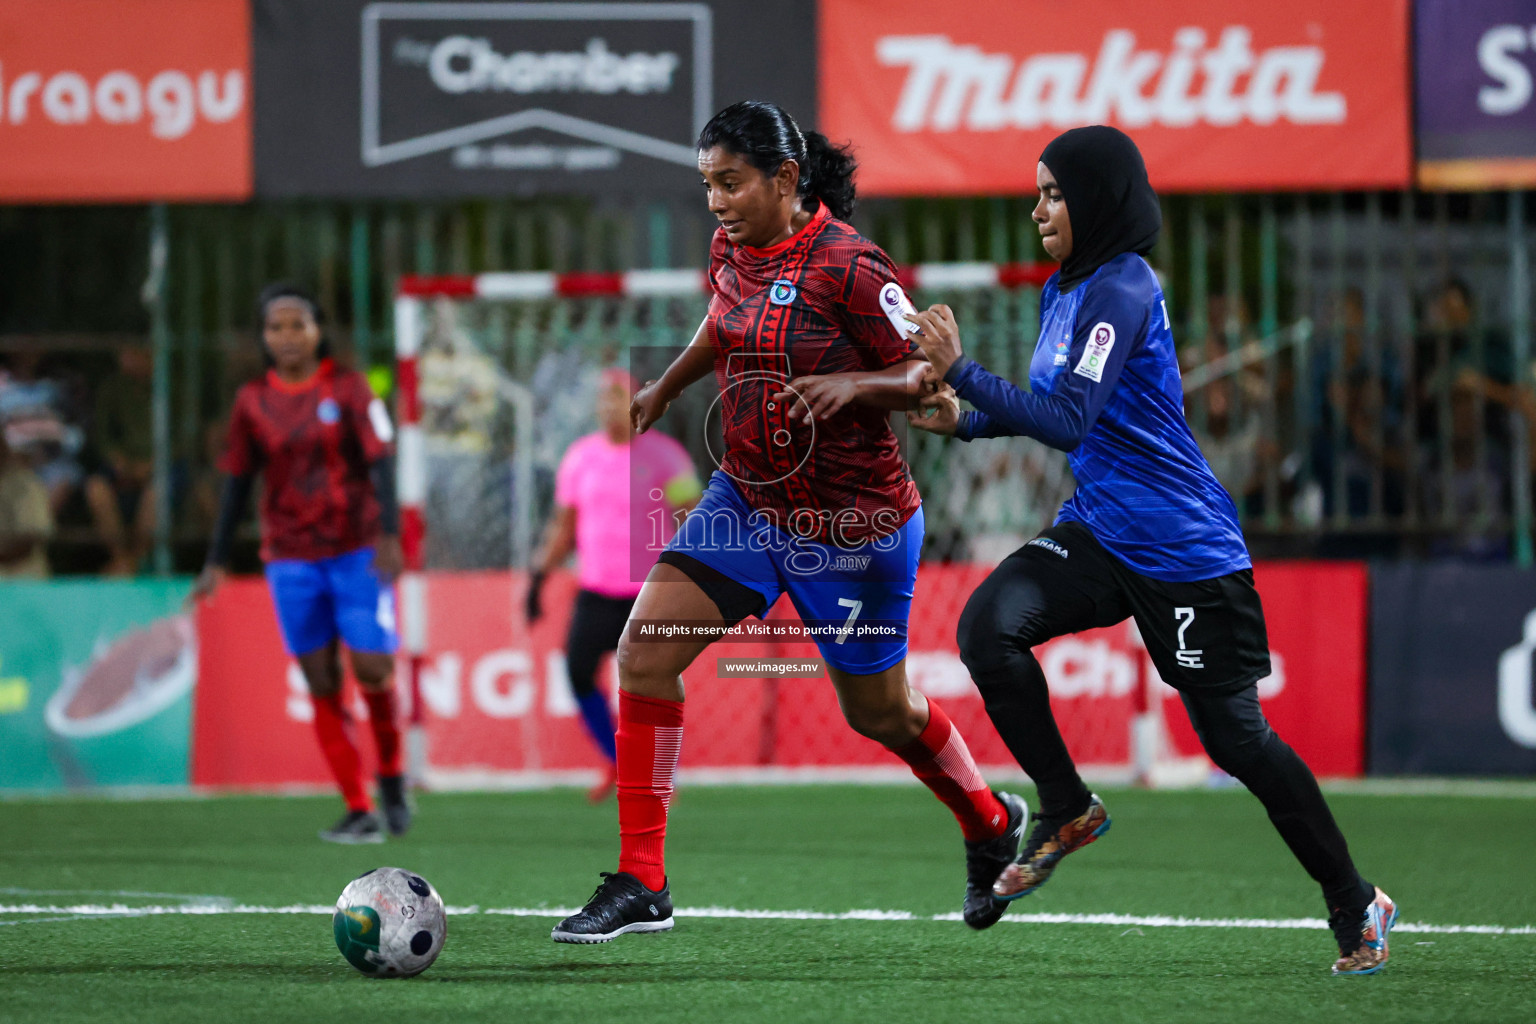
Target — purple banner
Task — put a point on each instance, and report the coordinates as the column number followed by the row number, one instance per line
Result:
column 1475, row 92
column 1453, row 659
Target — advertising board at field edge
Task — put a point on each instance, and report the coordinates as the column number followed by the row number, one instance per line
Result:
column 417, row 99
column 1453, row 670
column 1220, row 95
column 96, row 681
column 1475, row 93
column 105, row 101
column 498, row 703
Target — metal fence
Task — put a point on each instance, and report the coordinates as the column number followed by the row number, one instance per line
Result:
column 1373, row 388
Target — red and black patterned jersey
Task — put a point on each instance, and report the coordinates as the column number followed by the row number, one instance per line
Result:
column 809, row 306
column 313, row 442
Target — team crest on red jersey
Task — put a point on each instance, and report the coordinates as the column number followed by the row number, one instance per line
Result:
column 782, row 293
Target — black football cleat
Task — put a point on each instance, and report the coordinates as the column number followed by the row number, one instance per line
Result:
column 355, row 827
column 620, row 905
column 985, row 861
column 396, row 805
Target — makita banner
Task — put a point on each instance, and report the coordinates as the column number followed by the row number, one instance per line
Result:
column 1453, row 654
column 961, row 98
column 416, row 99
column 1475, row 93
column 498, row 704
column 106, row 101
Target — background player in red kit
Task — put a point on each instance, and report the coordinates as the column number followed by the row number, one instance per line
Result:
column 330, row 540
column 806, row 337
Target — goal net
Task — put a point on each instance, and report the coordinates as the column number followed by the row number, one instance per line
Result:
column 498, row 375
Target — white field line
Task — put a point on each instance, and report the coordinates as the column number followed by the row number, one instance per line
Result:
column 98, row 911
column 81, row 914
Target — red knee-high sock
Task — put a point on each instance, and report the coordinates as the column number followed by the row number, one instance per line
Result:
column 649, row 738
column 384, row 718
column 940, row 758
column 334, row 730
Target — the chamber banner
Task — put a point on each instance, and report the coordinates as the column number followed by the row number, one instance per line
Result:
column 416, row 100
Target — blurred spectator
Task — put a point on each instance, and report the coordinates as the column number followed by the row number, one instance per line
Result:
column 1454, row 351
column 1359, row 451
column 1465, row 485
column 39, row 428
column 1470, row 408
column 119, row 492
column 26, row 520
column 458, row 386
column 468, row 477
column 1241, row 418
column 1233, row 443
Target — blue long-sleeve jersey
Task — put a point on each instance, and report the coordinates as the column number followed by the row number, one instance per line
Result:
column 1105, row 388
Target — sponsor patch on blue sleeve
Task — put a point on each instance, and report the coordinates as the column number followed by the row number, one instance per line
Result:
column 1101, row 338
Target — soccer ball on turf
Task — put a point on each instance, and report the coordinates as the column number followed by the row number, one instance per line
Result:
column 389, row 923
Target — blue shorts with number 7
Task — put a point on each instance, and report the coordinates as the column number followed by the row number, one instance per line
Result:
column 855, row 600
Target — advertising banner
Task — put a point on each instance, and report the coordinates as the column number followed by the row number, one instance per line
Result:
column 1475, row 94
column 416, row 99
column 497, row 699
column 1453, row 653
column 105, row 101
column 961, row 98
column 96, row 684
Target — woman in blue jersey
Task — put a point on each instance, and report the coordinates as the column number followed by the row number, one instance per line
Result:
column 1148, row 534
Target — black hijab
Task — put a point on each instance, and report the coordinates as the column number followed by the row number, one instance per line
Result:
column 1109, row 200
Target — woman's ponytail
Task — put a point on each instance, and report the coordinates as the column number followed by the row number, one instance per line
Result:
column 826, row 174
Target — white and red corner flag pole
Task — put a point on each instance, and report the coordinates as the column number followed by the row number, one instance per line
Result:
column 411, row 486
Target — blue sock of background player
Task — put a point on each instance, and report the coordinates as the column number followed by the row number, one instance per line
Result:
column 598, row 718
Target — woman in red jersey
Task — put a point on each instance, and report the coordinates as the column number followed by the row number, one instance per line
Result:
column 330, row 540
column 807, row 337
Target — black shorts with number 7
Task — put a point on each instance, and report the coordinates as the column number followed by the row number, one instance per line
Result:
column 1205, row 635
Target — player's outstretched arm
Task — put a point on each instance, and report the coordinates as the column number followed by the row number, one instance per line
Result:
column 1060, row 417
column 692, row 364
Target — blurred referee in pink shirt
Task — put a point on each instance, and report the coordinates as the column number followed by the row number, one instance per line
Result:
column 617, row 497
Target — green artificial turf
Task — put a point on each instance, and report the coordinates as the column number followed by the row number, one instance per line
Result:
column 1207, row 854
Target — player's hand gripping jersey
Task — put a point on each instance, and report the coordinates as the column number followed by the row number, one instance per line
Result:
column 811, row 305
column 314, row 442
column 1105, row 388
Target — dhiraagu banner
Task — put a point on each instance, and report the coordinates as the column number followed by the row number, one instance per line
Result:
column 96, row 684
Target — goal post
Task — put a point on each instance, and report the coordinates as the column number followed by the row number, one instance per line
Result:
column 494, row 377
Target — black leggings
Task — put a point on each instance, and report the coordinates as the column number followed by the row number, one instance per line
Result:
column 596, row 625
column 1029, row 600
